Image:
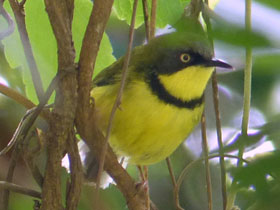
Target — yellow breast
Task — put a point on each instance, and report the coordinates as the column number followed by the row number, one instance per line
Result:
column 146, row 129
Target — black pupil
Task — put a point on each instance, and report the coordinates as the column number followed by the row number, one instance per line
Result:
column 185, row 57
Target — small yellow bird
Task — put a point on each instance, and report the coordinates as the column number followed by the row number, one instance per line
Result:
column 162, row 100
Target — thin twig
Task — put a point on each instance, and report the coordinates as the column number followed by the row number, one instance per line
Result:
column 19, row 13
column 85, row 121
column 119, row 96
column 219, row 138
column 19, row 132
column 22, row 3
column 36, row 173
column 193, row 163
column 23, row 134
column 170, row 169
column 9, row 178
column 7, row 91
column 11, row 26
column 211, row 14
column 217, row 114
column 188, row 168
column 19, row 189
column 193, row 9
column 247, row 97
column 176, row 195
column 247, row 73
column 12, row 94
column 145, row 175
column 153, row 19
column 73, row 194
column 146, row 19
column 206, row 161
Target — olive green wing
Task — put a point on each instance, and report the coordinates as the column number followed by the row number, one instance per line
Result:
column 113, row 73
column 109, row 75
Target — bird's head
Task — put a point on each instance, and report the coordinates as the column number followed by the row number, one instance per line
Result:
column 176, row 51
column 181, row 62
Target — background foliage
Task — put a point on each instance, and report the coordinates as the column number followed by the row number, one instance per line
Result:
column 259, row 181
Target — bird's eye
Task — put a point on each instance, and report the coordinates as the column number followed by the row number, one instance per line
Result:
column 185, row 58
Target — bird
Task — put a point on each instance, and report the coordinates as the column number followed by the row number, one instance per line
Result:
column 163, row 97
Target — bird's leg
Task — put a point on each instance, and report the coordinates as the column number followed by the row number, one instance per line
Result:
column 145, row 184
column 146, row 187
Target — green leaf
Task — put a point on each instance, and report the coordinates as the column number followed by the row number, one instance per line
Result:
column 16, row 57
column 123, row 9
column 44, row 45
column 81, row 16
column 168, row 11
column 238, row 36
column 272, row 4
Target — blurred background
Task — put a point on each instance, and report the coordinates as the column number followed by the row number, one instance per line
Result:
column 264, row 116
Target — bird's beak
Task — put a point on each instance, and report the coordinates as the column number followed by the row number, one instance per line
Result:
column 219, row 63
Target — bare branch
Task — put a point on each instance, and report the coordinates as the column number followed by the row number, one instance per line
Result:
column 12, row 94
column 208, row 13
column 206, row 161
column 146, row 18
column 193, row 9
column 219, row 137
column 153, row 18
column 60, row 13
column 22, row 135
column 216, row 107
column 9, row 178
column 171, row 172
column 119, row 95
column 86, row 125
column 73, row 195
column 135, row 199
column 90, row 46
column 187, row 169
column 7, row 17
column 19, row 189
column 20, row 19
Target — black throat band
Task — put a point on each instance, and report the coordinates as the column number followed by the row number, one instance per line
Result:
column 159, row 90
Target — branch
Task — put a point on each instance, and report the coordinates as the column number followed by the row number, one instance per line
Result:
column 18, row 11
column 206, row 162
column 153, row 18
column 210, row 14
column 76, row 169
column 12, row 94
column 20, row 189
column 20, row 135
column 90, row 46
column 146, row 19
column 119, row 94
column 193, row 9
column 247, row 95
column 85, row 120
column 95, row 140
column 60, row 13
column 187, row 169
column 216, row 107
column 7, row 17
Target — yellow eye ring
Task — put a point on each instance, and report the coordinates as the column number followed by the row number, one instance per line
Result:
column 185, row 58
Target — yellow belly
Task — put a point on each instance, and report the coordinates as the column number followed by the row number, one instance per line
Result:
column 145, row 129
